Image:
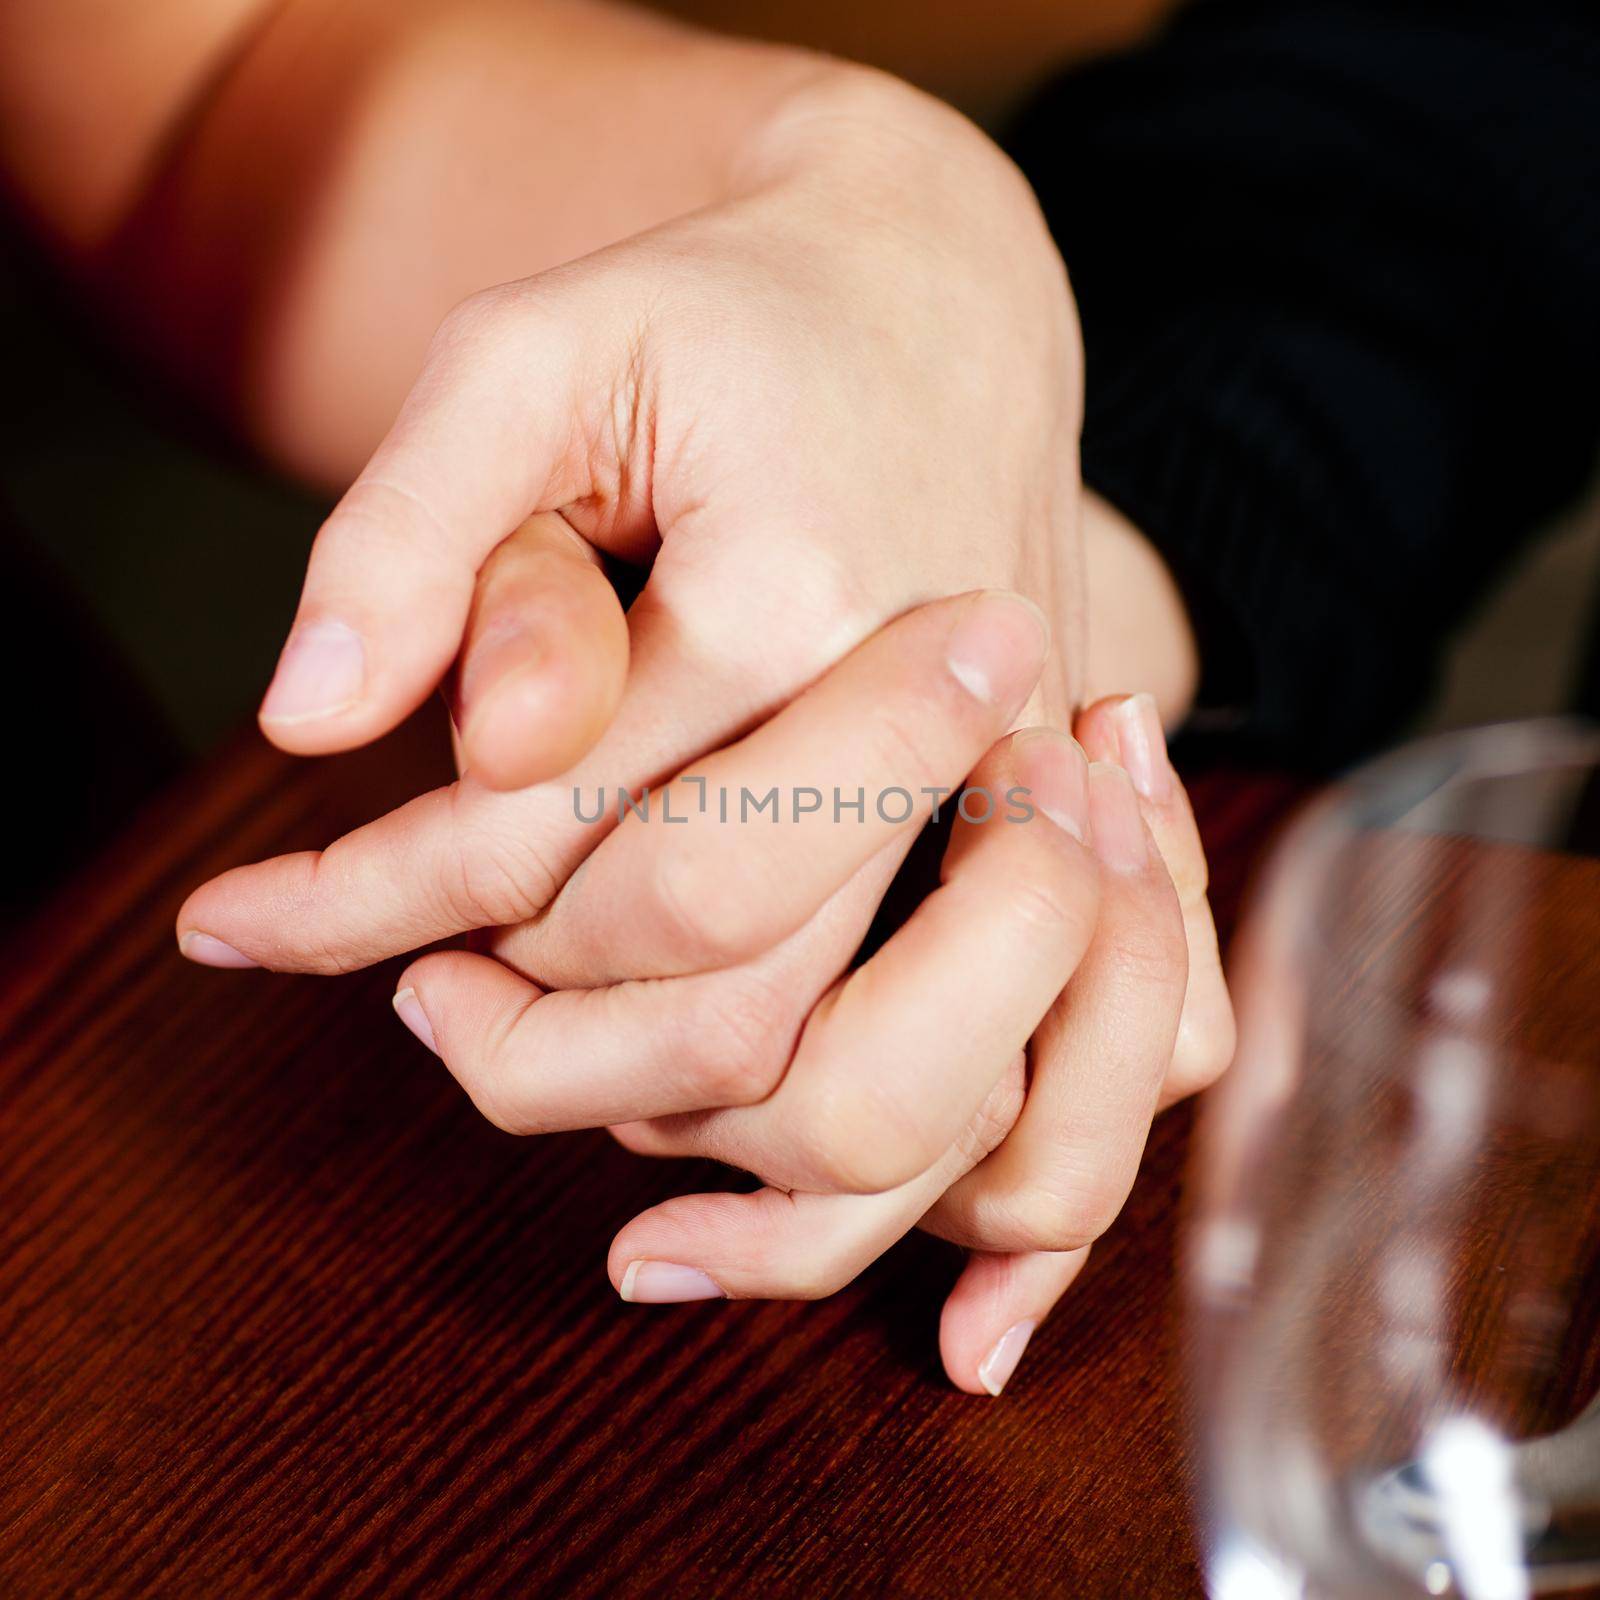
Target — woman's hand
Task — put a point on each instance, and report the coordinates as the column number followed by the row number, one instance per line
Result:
column 851, row 387
column 1045, row 1165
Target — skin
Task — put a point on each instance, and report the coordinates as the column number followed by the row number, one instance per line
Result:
column 765, row 254
column 926, row 1038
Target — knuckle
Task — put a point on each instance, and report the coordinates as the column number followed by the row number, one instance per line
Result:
column 495, row 1093
column 323, row 954
column 907, row 733
column 503, row 1115
column 497, row 1082
column 996, row 1117
column 1151, row 951
column 1204, row 1051
column 840, row 1165
column 790, row 1273
column 489, row 891
column 814, row 1281
column 330, row 880
column 328, row 958
column 499, row 876
column 706, row 917
column 741, row 1039
column 827, row 595
column 367, row 518
column 1044, row 900
column 478, row 317
column 1063, row 1217
column 469, row 349
column 817, row 615
column 852, row 1143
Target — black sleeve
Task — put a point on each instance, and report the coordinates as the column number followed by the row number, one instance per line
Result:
column 1338, row 265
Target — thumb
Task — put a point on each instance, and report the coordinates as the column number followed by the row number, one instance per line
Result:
column 994, row 1308
column 488, row 435
column 544, row 660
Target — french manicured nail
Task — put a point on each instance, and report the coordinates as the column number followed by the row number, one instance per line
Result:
column 1052, row 769
column 409, row 1010
column 321, row 671
column 209, row 952
column 1114, row 819
column 1002, row 1361
column 660, row 1283
column 1142, row 744
column 997, row 647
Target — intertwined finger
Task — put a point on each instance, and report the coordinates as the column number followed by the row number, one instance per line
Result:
column 1127, row 729
column 537, row 1062
column 778, row 1244
column 466, row 856
column 1027, row 1185
column 1098, row 1060
column 732, row 857
column 894, row 1063
column 775, row 1244
column 887, row 1070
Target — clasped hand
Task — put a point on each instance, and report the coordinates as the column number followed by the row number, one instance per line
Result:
column 836, row 418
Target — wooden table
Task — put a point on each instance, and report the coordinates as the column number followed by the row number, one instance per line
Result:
column 280, row 1315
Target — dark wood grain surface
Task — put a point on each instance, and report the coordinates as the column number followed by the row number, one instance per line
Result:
column 281, row 1316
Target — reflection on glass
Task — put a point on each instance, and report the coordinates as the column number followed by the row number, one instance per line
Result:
column 1394, row 1256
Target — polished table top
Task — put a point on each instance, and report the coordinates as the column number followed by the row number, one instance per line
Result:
column 281, row 1315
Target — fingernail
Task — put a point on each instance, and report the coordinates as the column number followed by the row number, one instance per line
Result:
column 209, row 952
column 1114, row 820
column 666, row 1283
column 409, row 1010
column 1142, row 744
column 997, row 647
column 1002, row 1361
column 321, row 671
column 1052, row 768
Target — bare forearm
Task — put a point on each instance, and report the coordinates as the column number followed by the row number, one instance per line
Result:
column 295, row 236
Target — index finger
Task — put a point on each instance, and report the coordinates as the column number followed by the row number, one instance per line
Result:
column 477, row 447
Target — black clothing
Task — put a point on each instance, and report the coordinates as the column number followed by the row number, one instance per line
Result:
column 1338, row 267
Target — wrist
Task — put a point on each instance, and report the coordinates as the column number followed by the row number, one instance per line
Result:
column 871, row 139
column 904, row 199
column 830, row 110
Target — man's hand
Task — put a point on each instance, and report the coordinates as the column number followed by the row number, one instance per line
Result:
column 905, row 1091
column 732, row 1031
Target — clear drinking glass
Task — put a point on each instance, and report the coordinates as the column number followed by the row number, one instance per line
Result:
column 1394, row 1247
